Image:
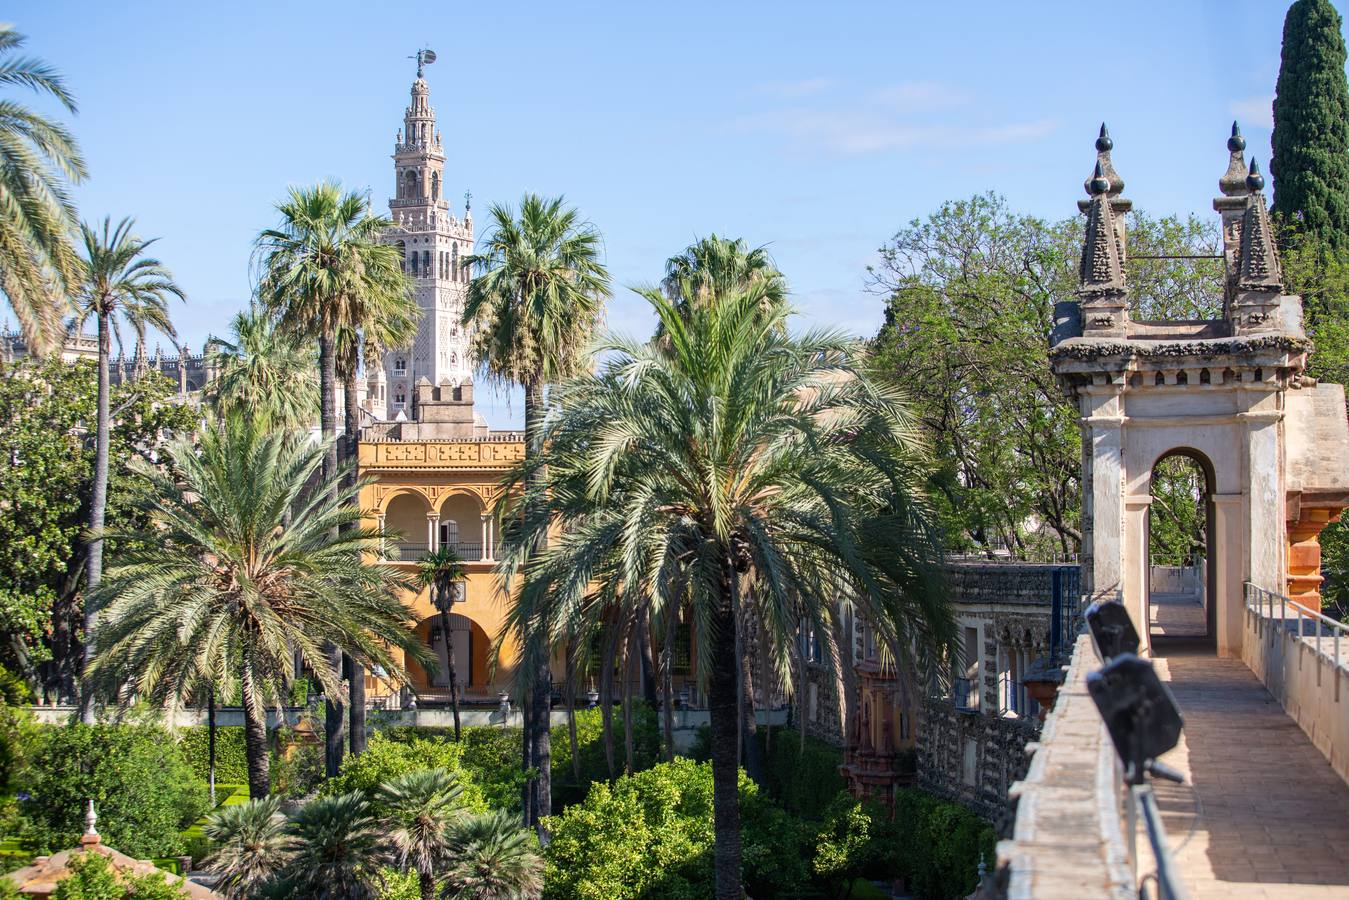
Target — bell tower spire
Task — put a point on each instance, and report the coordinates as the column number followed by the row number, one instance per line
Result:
column 433, row 240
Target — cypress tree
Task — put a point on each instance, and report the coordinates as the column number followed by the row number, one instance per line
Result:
column 1311, row 124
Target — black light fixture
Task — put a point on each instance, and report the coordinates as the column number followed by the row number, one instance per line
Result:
column 1112, row 629
column 1139, row 712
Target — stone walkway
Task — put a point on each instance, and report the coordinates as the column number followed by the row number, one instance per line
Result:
column 1176, row 615
column 1275, row 820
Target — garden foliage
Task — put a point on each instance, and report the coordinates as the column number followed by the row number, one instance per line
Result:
column 142, row 787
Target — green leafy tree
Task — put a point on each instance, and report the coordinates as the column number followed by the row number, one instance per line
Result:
column 325, row 273
column 745, row 463
column 142, row 787
column 47, row 416
column 387, row 760
column 534, row 304
column 1310, row 164
column 222, row 591
column 971, row 292
column 38, row 159
column 439, row 570
column 252, row 847
column 263, row 373
column 419, row 811
column 118, row 284
column 492, row 858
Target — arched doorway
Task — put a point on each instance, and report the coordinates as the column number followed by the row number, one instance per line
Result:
column 1181, row 557
column 471, row 648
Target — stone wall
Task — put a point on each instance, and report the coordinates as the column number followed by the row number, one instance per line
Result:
column 972, row 758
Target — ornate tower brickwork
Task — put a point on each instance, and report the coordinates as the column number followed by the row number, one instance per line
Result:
column 433, row 241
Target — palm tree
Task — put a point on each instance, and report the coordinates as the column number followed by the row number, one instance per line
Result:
column 263, row 372
column 419, row 811
column 118, row 285
column 339, row 850
column 382, row 317
column 493, row 859
column 715, row 266
column 439, row 570
column 251, row 847
column 728, row 461
column 222, row 586
column 321, row 269
column 534, row 304
column 38, row 156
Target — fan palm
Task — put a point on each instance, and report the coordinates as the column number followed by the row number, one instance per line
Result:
column 339, row 850
column 251, row 847
column 118, row 285
column 263, row 372
column 439, row 570
column 534, row 305
column 727, row 461
column 419, row 811
column 323, row 270
column 38, row 157
column 493, row 859
column 224, row 584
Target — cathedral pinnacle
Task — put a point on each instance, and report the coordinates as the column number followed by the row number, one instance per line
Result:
column 1258, row 263
column 1105, row 168
column 1233, row 182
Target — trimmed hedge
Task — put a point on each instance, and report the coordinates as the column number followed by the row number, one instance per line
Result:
column 231, row 761
column 805, row 783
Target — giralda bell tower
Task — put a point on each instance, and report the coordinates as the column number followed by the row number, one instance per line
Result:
column 433, row 241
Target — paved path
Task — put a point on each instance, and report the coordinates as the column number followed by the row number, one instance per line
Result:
column 1176, row 615
column 1275, row 817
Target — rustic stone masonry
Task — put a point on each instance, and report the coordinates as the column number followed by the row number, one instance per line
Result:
column 972, row 758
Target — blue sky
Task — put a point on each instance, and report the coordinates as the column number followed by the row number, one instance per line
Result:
column 817, row 129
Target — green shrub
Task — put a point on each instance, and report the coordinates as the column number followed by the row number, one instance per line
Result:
column 385, row 759
column 142, row 787
column 937, row 844
column 491, row 755
column 804, row 782
column 231, row 760
column 297, row 765
column 92, row 878
column 650, row 835
column 400, row 886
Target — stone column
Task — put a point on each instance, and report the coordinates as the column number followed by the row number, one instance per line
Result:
column 1135, row 565
column 432, row 532
column 486, row 554
column 1101, row 429
column 379, row 526
column 1226, row 592
column 1265, row 507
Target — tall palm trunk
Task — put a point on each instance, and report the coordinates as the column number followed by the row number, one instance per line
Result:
column 752, row 756
column 648, row 663
column 629, row 661
column 427, row 883
column 723, row 703
column 571, row 711
column 448, row 638
column 334, row 718
column 537, row 731
column 356, row 690
column 255, row 738
column 667, row 684
column 210, row 742
column 98, row 503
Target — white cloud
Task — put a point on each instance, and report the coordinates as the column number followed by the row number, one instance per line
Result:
column 915, row 96
column 1257, row 111
column 858, row 132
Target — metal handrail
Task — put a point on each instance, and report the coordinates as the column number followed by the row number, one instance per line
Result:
column 1257, row 598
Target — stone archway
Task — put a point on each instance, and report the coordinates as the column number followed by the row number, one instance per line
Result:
column 1180, row 525
column 1223, row 390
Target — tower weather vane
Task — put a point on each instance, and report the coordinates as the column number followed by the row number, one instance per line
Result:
column 423, row 58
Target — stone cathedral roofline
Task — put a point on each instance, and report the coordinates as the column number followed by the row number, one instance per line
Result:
column 1258, row 317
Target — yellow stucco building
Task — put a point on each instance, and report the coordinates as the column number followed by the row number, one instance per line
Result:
column 434, row 481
